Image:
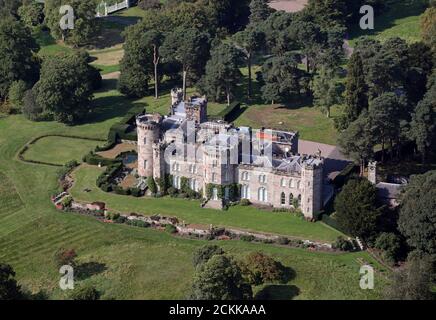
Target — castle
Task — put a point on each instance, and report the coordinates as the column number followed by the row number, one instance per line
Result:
column 214, row 156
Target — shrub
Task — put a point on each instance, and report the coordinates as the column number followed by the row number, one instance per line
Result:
column 390, row 243
column 67, row 201
column 283, row 241
column 260, row 268
column 247, row 238
column 120, row 219
column 152, row 185
column 121, row 191
column 30, row 108
column 204, row 253
column 112, row 216
column 343, row 244
column 95, row 159
column 136, row 192
column 16, row 94
column 64, row 257
column 170, row 229
column 245, row 202
column 86, row 293
column 106, row 187
column 138, row 223
column 172, row 191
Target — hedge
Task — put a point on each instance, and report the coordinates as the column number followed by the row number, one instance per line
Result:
column 95, row 159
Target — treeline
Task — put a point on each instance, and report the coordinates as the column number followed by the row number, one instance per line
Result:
column 203, row 50
column 390, row 99
column 59, row 87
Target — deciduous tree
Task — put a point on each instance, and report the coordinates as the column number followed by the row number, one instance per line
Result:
column 220, row 278
column 222, row 72
column 190, row 48
column 17, row 55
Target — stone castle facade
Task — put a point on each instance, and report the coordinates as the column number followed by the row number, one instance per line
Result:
column 215, row 155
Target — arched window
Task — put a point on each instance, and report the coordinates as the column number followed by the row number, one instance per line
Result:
column 245, row 176
column 298, row 184
column 145, row 141
column 176, row 182
column 291, row 199
column 262, row 178
column 283, row 182
column 299, row 201
column 283, row 198
column 262, row 195
column 245, row 192
column 291, row 183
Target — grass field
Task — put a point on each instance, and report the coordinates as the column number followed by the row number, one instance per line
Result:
column 312, row 124
column 401, row 20
column 131, row 263
column 59, row 150
column 10, row 199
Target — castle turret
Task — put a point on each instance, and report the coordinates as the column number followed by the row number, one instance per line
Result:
column 312, row 180
column 196, row 109
column 148, row 135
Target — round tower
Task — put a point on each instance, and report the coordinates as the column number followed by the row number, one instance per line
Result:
column 148, row 134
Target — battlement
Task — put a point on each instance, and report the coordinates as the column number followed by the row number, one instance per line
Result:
column 149, row 121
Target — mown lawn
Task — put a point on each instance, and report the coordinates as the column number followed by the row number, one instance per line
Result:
column 59, row 150
column 309, row 121
column 131, row 263
column 401, row 20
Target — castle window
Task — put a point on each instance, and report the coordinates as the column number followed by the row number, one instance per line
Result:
column 291, row 199
column 226, row 193
column 291, row 183
column 262, row 195
column 299, row 201
column 283, row 182
column 145, row 164
column 193, row 184
column 176, row 182
column 193, row 168
column 298, row 184
column 176, row 167
column 245, row 176
column 283, row 198
column 227, row 175
column 145, row 140
column 214, row 177
column 245, row 192
column 215, row 194
column 262, row 178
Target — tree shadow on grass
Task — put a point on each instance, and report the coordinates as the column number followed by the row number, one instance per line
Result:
column 110, row 107
column 297, row 103
column 385, row 18
column 277, row 292
column 89, row 269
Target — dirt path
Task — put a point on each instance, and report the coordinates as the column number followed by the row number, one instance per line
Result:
column 113, row 75
column 289, row 5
